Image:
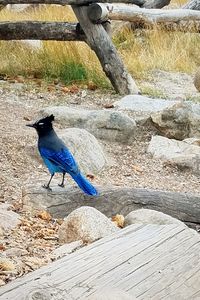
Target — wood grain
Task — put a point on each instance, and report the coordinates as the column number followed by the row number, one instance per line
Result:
column 113, row 200
column 149, row 262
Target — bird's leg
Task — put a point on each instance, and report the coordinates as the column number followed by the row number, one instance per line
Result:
column 47, row 186
column 63, row 179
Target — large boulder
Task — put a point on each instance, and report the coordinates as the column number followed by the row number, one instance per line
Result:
column 103, row 124
column 180, row 121
column 149, row 216
column 86, row 224
column 142, row 107
column 185, row 154
column 142, row 104
column 85, row 148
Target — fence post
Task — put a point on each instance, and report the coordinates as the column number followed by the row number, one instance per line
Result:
column 99, row 41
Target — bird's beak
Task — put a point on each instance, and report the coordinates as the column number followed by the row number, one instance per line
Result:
column 31, row 125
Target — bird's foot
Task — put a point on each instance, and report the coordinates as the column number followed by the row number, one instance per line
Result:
column 47, row 187
column 61, row 185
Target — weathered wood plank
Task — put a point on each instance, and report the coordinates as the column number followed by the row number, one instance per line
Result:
column 100, row 42
column 149, row 262
column 33, row 30
column 60, row 202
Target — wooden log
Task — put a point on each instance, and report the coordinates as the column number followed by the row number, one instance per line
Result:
column 156, row 3
column 146, row 261
column 179, row 19
column 68, row 2
column 100, row 11
column 32, row 30
column 111, row 201
column 100, row 42
column 192, row 4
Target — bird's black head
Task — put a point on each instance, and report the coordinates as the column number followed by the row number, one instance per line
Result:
column 43, row 126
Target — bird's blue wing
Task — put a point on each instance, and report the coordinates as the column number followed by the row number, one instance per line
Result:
column 63, row 159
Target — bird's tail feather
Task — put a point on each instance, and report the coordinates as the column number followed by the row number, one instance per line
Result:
column 85, row 185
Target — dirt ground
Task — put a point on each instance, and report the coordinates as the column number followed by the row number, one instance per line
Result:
column 131, row 165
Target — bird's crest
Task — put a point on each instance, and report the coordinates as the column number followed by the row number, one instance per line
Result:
column 46, row 120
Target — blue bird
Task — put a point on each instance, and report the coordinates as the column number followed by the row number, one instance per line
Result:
column 57, row 156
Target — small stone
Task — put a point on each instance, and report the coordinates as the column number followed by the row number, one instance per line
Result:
column 86, row 224
column 149, row 216
column 15, row 252
column 8, row 218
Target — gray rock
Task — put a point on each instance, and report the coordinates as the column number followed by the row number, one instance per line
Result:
column 8, row 218
column 181, row 153
column 103, row 124
column 143, row 104
column 85, row 148
column 180, row 121
column 66, row 249
column 86, row 224
column 149, row 216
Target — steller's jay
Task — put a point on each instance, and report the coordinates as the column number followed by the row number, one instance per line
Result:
column 57, row 157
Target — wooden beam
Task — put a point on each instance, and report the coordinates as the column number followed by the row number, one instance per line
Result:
column 100, row 42
column 148, row 261
column 32, row 30
column 69, row 2
column 100, row 11
column 181, row 19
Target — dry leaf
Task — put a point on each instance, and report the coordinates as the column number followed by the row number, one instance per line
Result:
column 118, row 220
column 27, row 118
column 2, row 247
column 6, row 265
column 108, row 106
column 44, row 215
column 90, row 176
column 74, row 89
column 51, row 88
column 59, row 221
column 91, row 86
column 19, row 79
column 65, row 89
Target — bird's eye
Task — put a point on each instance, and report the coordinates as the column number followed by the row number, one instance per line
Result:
column 40, row 124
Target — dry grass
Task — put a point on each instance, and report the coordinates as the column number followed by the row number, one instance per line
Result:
column 70, row 61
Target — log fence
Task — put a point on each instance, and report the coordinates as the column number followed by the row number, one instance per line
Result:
column 93, row 27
